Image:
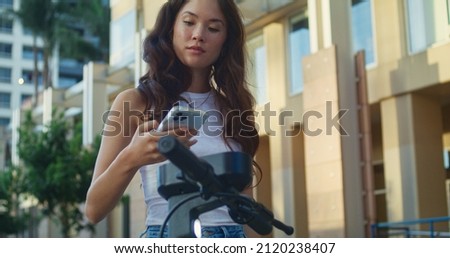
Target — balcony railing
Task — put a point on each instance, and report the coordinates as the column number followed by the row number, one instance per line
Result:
column 410, row 228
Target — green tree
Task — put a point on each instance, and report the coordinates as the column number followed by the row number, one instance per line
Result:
column 57, row 169
column 12, row 219
column 94, row 16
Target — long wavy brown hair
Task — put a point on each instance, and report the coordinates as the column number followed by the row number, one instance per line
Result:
column 167, row 77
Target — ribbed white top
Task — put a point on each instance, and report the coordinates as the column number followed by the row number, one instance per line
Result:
column 209, row 142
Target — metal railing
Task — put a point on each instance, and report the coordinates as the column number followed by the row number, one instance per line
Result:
column 408, row 228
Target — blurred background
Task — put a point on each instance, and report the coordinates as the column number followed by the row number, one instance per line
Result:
column 358, row 144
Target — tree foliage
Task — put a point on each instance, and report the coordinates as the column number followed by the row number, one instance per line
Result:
column 57, row 169
column 94, row 16
column 12, row 220
column 60, row 23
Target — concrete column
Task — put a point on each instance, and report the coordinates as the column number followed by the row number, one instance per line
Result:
column 413, row 160
column 299, row 182
column 47, row 106
column 332, row 157
column 315, row 25
column 323, row 157
column 339, row 31
column 15, row 124
column 280, row 156
column 95, row 102
column 2, row 147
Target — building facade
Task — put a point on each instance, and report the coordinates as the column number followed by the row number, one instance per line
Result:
column 353, row 109
column 16, row 59
column 16, row 69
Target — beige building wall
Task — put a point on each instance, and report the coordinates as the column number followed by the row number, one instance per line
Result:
column 397, row 71
column 415, row 179
column 314, row 182
column 411, row 124
column 120, row 8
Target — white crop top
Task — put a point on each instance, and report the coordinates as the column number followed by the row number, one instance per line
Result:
column 157, row 207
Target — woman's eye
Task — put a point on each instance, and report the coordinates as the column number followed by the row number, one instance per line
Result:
column 189, row 23
column 213, row 29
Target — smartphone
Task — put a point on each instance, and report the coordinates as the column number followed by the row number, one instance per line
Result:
column 181, row 116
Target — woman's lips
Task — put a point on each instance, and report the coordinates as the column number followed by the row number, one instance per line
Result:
column 196, row 50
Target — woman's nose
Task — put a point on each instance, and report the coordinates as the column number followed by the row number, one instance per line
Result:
column 197, row 34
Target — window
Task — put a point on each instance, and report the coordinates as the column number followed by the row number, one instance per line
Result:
column 27, row 31
column 70, row 72
column 4, row 121
column 6, row 25
column 362, row 29
column 5, row 50
column 67, row 81
column 27, row 53
column 299, row 47
column 25, row 98
column 418, row 39
column 448, row 12
column 255, row 9
column 427, row 23
column 257, row 77
column 5, row 74
column 122, row 39
column 5, row 100
column 447, row 159
column 27, row 77
column 6, row 4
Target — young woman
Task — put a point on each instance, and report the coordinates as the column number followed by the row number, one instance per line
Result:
column 196, row 53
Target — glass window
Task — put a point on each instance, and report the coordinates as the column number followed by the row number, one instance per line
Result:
column 6, row 3
column 122, row 39
column 257, row 71
column 416, row 25
column 25, row 97
column 5, row 100
column 4, row 121
column 27, row 31
column 362, row 29
column 427, row 23
column 27, row 76
column 5, row 50
column 447, row 159
column 67, row 81
column 6, row 25
column 27, row 53
column 254, row 9
column 448, row 11
column 5, row 74
column 299, row 47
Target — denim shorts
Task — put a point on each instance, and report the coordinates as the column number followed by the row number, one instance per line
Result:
column 234, row 231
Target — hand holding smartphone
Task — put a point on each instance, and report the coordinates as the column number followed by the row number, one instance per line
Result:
column 181, row 116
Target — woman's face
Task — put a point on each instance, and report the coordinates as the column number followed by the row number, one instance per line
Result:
column 199, row 33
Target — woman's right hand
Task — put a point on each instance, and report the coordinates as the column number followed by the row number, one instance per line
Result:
column 123, row 152
column 144, row 144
